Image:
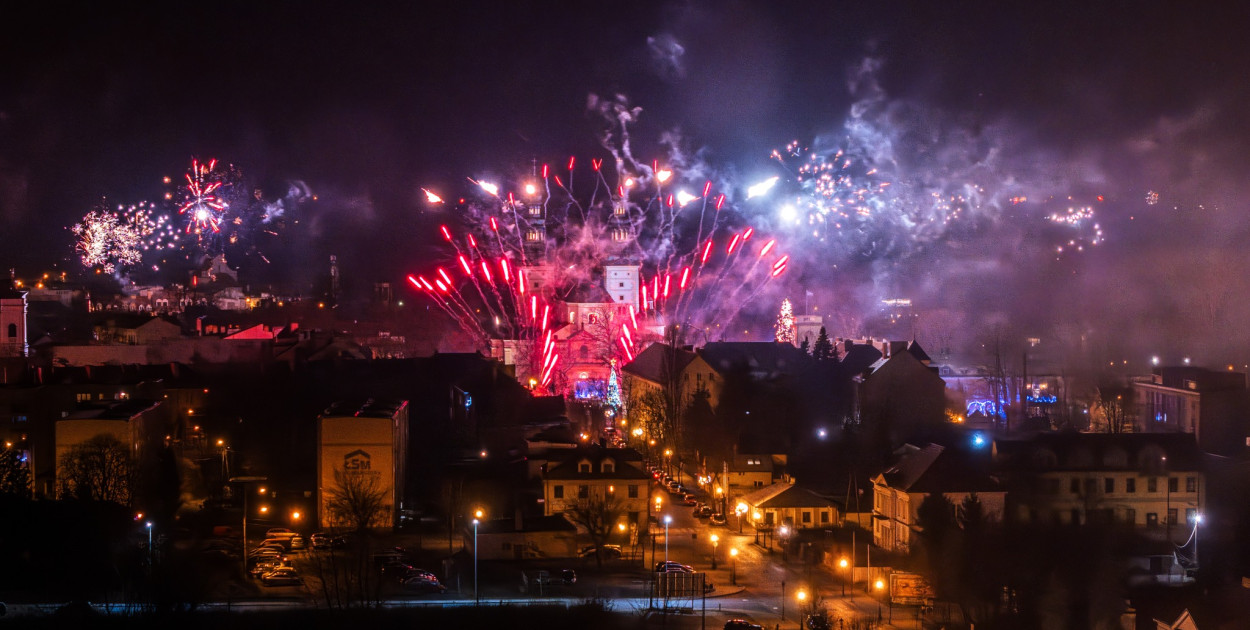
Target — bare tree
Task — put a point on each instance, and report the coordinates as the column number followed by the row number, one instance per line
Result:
column 597, row 514
column 357, row 501
column 98, row 469
column 1109, row 413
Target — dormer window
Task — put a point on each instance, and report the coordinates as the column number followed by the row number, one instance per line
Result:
column 583, row 466
column 608, row 466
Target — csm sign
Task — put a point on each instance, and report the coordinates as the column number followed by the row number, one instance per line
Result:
column 357, row 461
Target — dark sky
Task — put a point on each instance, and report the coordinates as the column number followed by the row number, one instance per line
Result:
column 366, row 104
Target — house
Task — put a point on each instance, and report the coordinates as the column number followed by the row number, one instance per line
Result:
column 524, row 538
column 898, row 395
column 785, row 504
column 917, row 473
column 593, row 477
column 132, row 423
column 1148, row 481
column 1212, row 405
column 136, row 329
column 747, row 473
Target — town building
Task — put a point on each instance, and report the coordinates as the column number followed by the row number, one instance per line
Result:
column 917, row 473
column 362, row 447
column 1212, row 405
column 595, row 478
column 1152, row 482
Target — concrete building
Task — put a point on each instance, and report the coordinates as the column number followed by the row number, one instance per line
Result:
column 362, row 446
column 917, row 473
column 133, row 423
column 1211, row 405
column 784, row 504
column 1151, row 482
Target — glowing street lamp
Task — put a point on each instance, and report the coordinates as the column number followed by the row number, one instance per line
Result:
column 667, row 519
column 715, row 544
column 477, row 596
column 151, row 553
column 733, row 570
column 740, row 510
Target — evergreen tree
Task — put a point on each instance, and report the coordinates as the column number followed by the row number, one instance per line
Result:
column 785, row 323
column 823, row 348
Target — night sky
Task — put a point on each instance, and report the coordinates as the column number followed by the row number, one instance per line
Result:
column 364, row 105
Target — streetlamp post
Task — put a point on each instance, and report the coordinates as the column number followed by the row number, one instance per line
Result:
column 667, row 519
column 715, row 544
column 802, row 597
column 151, row 554
column 477, row 596
column 740, row 510
column 733, row 571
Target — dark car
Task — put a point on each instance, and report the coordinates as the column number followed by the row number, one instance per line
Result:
column 703, row 511
column 819, row 621
column 742, row 624
column 608, row 552
column 718, row 519
column 669, row 566
column 423, row 584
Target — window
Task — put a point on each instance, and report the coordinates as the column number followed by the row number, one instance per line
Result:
column 82, row 397
column 1130, row 485
column 824, row 518
column 1152, row 484
column 12, row 331
column 1108, row 485
column 608, row 467
column 1091, row 486
column 1152, row 520
column 1130, row 516
column 1174, row 484
column 1191, row 484
column 557, row 492
column 807, row 517
column 583, row 467
column 1075, row 486
column 583, row 492
column 633, row 492
column 620, row 285
column 1171, row 516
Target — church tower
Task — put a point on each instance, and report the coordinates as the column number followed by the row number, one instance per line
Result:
column 12, row 323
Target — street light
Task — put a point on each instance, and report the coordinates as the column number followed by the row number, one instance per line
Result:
column 151, row 556
column 802, row 597
column 477, row 597
column 733, row 571
column 740, row 510
column 715, row 543
column 843, row 564
column 667, row 519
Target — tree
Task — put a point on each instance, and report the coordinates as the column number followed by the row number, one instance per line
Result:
column 823, row 349
column 357, row 501
column 14, row 474
column 785, row 323
column 597, row 514
column 1109, row 413
column 98, row 469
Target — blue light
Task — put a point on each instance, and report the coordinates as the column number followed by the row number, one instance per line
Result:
column 978, row 440
column 1043, row 399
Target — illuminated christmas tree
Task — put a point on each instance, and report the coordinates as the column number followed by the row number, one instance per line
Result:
column 785, row 323
column 614, row 390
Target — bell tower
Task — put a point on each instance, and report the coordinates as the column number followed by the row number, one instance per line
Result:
column 12, row 323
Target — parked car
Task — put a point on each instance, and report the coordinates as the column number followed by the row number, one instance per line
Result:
column 297, row 542
column 567, row 577
column 282, row 576
column 609, row 552
column 718, row 519
column 423, row 584
column 670, row 566
column 267, row 565
column 282, row 544
column 742, row 624
column 703, row 511
column 689, row 500
column 275, row 532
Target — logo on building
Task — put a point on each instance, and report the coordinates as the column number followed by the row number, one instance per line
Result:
column 357, row 461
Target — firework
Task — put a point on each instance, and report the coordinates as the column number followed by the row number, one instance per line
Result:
column 1082, row 227
column 107, row 241
column 1152, row 198
column 527, row 254
column 202, row 201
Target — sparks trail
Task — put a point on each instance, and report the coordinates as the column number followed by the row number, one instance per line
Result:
column 538, row 260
